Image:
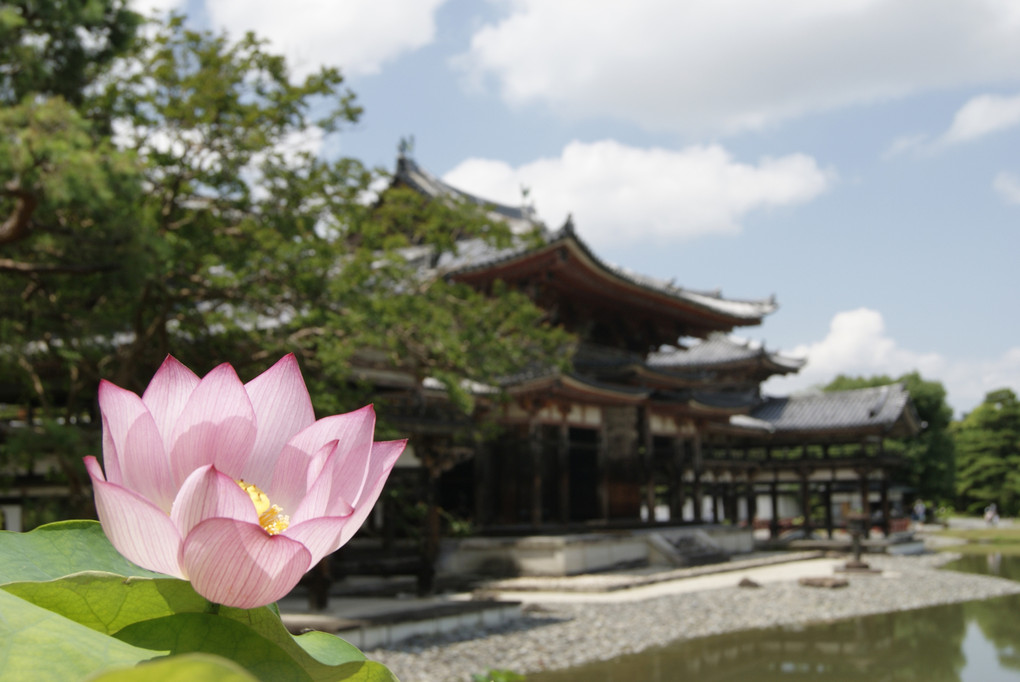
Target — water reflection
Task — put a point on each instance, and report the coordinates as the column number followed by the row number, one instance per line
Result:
column 976, row 641
column 988, row 564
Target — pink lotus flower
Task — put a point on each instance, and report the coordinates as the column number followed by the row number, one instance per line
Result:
column 233, row 486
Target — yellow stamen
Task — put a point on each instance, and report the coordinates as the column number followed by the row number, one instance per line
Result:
column 270, row 516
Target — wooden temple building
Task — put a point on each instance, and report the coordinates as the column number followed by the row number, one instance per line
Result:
column 661, row 419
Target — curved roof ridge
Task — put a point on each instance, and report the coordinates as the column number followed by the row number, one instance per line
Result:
column 409, row 172
column 720, row 348
column 746, row 311
column 744, row 308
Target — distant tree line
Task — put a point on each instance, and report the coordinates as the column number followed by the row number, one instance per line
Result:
column 988, row 455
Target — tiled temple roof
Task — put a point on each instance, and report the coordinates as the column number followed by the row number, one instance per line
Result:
column 720, row 350
column 883, row 409
column 475, row 254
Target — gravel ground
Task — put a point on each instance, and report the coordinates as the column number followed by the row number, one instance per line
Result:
column 562, row 635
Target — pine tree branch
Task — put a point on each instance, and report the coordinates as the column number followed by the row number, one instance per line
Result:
column 16, row 225
column 9, row 265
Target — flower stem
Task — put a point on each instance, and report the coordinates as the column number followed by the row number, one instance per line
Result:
column 212, row 608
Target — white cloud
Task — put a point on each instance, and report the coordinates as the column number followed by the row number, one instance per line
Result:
column 358, row 36
column 857, row 345
column 906, row 144
column 617, row 192
column 730, row 65
column 968, row 382
column 1008, row 187
column 982, row 116
column 979, row 116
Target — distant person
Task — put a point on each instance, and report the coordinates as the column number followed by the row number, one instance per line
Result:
column 920, row 511
column 992, row 514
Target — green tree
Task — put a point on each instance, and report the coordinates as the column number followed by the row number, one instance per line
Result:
column 931, row 453
column 988, row 454
column 177, row 204
column 59, row 49
column 68, row 214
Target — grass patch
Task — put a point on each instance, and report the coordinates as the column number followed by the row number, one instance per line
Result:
column 984, row 548
column 989, row 540
column 994, row 535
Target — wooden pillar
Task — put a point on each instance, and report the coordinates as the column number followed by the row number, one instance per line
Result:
column 752, row 501
column 699, row 500
column 732, row 500
column 708, row 495
column 774, row 522
column 805, row 502
column 648, row 461
column 563, row 461
column 885, row 506
column 483, row 483
column 865, row 502
column 676, row 485
column 535, row 448
column 603, row 468
column 717, row 501
column 828, row 508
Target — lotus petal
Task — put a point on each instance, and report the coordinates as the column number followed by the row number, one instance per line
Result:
column 233, row 486
column 136, row 527
column 217, row 426
column 282, row 409
column 235, row 563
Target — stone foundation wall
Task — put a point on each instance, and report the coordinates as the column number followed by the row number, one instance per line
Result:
column 571, row 554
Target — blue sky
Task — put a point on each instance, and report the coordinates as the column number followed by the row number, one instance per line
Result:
column 859, row 159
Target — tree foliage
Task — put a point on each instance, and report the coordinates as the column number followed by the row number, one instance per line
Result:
column 170, row 197
column 988, row 454
column 931, row 453
column 60, row 48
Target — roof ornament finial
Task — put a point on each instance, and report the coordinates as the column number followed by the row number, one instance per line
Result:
column 527, row 206
column 406, row 146
column 568, row 224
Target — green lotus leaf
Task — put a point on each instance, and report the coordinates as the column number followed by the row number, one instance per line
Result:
column 186, row 668
column 59, row 549
column 145, row 611
column 38, row 644
column 215, row 634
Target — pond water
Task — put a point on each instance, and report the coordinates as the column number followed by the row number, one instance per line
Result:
column 970, row 642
